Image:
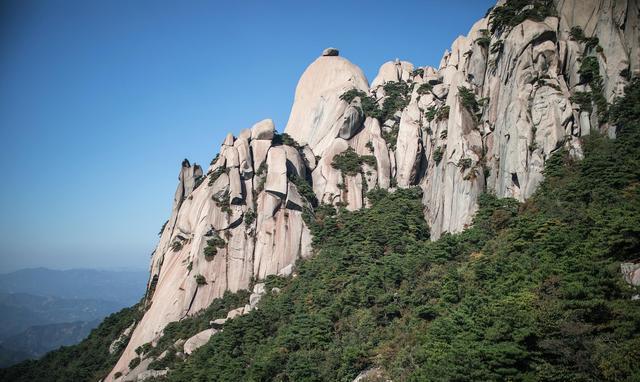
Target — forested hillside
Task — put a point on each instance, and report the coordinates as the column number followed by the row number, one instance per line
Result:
column 531, row 291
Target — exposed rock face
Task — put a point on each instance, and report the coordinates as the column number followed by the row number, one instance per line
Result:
column 318, row 113
column 487, row 119
column 246, row 200
column 198, row 340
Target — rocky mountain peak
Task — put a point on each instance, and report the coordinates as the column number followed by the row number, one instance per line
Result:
column 522, row 84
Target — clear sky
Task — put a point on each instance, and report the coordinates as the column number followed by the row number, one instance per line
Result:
column 101, row 100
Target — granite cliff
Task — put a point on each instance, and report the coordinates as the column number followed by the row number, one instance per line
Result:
column 526, row 80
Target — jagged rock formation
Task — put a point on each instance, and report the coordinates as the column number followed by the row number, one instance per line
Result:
column 503, row 99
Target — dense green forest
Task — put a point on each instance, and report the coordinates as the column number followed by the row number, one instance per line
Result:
column 530, row 292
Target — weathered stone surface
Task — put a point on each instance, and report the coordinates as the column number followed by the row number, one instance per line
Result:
column 151, row 374
column 375, row 374
column 294, row 200
column 276, row 183
column 235, row 313
column 198, row 340
column 218, row 323
column 631, row 273
column 263, row 130
column 316, row 115
column 330, row 52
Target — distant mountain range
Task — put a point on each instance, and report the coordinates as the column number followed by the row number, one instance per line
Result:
column 42, row 309
column 125, row 287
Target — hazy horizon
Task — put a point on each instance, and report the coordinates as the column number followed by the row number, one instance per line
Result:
column 101, row 101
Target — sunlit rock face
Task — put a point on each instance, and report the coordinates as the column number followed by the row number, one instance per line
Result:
column 485, row 120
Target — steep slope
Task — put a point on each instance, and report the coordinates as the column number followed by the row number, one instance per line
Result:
column 531, row 291
column 529, row 79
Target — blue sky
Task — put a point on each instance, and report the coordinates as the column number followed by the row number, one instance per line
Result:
column 101, row 100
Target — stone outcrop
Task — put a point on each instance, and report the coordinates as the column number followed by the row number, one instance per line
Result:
column 485, row 120
column 198, row 340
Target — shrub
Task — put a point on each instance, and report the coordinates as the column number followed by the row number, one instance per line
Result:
column 304, row 189
column 589, row 69
column 418, row 72
column 576, row 33
column 468, row 100
column 143, row 349
column 176, row 245
column 438, row 153
column 134, row 363
column 430, row 114
column 397, row 98
column 223, row 201
column 443, row 113
column 215, row 174
column 249, row 217
column 583, row 99
column 350, row 163
column 200, row 280
column 485, row 39
column 424, row 88
column 504, row 17
column 163, row 227
column 262, row 169
column 368, row 103
column 464, row 163
column 199, row 180
column 390, row 136
column 497, row 47
column 285, row 139
column 211, row 249
column 369, row 145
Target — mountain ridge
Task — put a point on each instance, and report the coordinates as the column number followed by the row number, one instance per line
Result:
column 527, row 80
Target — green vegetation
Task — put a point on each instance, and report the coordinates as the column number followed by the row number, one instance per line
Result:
column 163, row 227
column 189, row 326
column 438, row 113
column 215, row 174
column 397, row 95
column 497, row 47
column 200, row 280
column 285, row 139
column 369, row 104
column 590, row 74
column 485, row 38
column 438, row 153
column 223, row 201
column 304, row 188
column 249, row 217
column 583, row 100
column 418, row 72
column 468, row 100
column 390, row 135
column 464, row 163
column 134, row 362
column 424, row 88
column 213, row 244
column 87, row 361
column 513, row 12
column 577, row 34
column 176, row 245
column 350, row 163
